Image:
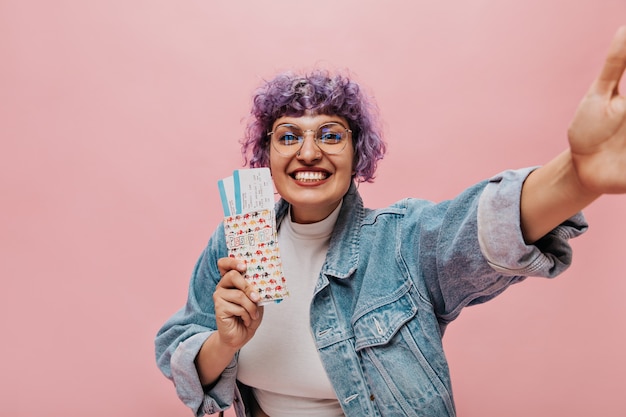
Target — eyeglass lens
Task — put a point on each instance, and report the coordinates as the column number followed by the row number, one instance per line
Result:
column 331, row 138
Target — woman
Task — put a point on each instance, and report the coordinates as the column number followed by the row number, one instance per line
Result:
column 373, row 290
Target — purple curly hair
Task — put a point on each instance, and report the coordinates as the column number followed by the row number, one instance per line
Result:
column 290, row 94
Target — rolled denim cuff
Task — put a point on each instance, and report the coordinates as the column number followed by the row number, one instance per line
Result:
column 500, row 235
column 187, row 381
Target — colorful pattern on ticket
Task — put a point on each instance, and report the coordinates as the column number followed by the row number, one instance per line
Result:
column 252, row 237
column 250, row 229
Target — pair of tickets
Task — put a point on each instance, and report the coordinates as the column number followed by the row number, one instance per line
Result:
column 250, row 228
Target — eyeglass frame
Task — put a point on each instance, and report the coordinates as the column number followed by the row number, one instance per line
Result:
column 302, row 138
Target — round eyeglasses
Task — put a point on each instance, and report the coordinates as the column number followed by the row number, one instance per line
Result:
column 287, row 139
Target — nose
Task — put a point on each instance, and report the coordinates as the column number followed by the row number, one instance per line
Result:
column 309, row 151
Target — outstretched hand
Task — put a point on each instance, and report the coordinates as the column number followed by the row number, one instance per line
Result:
column 597, row 135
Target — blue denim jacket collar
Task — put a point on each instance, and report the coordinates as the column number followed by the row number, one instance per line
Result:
column 343, row 252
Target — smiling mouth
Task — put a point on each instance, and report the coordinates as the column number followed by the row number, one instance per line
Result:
column 310, row 176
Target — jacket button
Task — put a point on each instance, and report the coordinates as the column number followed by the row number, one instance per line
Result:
column 371, row 397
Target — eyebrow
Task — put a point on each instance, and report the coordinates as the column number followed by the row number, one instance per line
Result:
column 337, row 122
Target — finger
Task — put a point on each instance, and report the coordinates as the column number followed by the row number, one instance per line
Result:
column 228, row 264
column 614, row 65
column 256, row 322
column 229, row 313
column 234, row 302
column 234, row 279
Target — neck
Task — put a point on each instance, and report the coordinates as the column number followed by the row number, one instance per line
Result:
column 302, row 216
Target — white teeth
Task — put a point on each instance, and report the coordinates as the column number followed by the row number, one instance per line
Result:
column 310, row 176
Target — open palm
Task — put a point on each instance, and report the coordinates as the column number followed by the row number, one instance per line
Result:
column 597, row 135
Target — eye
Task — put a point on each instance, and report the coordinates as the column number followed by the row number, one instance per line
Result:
column 331, row 134
column 287, row 135
column 288, row 138
column 330, row 138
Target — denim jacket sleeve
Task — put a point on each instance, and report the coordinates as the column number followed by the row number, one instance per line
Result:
column 501, row 240
column 179, row 340
column 480, row 248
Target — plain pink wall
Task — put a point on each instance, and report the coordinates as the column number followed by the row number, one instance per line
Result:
column 118, row 117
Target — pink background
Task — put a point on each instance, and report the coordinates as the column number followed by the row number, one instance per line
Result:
column 118, row 117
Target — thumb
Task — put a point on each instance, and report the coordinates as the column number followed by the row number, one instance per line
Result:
column 608, row 81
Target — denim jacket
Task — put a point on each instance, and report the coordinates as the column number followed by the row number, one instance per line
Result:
column 393, row 279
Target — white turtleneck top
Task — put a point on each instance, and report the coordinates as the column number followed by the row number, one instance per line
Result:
column 281, row 362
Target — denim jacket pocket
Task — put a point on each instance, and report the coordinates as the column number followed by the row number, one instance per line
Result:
column 380, row 324
column 401, row 362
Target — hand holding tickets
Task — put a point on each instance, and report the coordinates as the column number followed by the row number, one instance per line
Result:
column 250, row 228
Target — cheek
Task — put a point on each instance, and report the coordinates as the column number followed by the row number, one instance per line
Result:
column 353, row 162
column 276, row 165
column 267, row 156
column 271, row 160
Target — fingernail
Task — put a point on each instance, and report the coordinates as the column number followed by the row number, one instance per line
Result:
column 254, row 296
column 241, row 266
